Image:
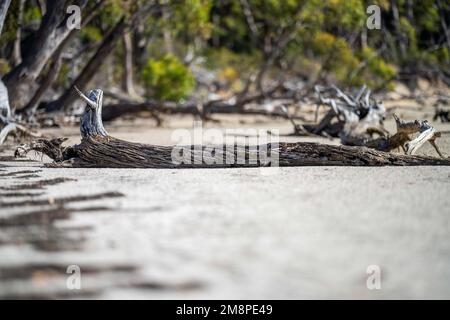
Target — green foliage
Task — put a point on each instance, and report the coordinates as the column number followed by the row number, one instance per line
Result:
column 63, row 76
column 338, row 57
column 91, row 33
column 185, row 21
column 346, row 14
column 167, row 78
column 327, row 36
column 112, row 11
column 235, row 37
column 31, row 14
column 191, row 18
column 410, row 33
column 4, row 67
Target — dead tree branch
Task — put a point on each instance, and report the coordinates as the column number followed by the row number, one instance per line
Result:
column 358, row 118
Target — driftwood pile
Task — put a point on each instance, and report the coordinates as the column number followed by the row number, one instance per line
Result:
column 98, row 149
column 359, row 121
column 347, row 115
column 9, row 123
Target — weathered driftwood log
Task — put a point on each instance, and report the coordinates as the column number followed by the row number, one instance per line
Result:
column 353, row 114
column 443, row 115
column 98, row 149
column 402, row 138
column 347, row 115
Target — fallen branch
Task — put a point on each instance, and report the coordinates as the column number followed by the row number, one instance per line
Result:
column 402, row 138
column 228, row 106
column 353, row 114
column 98, row 149
column 13, row 127
column 8, row 123
column 360, row 117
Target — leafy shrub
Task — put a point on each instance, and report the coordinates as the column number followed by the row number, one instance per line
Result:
column 167, row 78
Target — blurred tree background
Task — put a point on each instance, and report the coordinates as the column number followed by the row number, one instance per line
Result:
column 173, row 50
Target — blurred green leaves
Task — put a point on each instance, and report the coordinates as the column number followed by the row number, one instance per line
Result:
column 167, row 78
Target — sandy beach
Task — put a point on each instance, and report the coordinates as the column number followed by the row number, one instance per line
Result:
column 304, row 232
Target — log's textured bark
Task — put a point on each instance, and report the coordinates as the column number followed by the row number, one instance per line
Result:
column 98, row 149
column 56, row 63
column 4, row 5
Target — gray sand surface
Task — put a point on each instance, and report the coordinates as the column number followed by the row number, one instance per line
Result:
column 306, row 232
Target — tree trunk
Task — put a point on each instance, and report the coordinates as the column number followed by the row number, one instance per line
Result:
column 17, row 51
column 91, row 68
column 46, row 82
column 399, row 35
column 107, row 46
column 42, row 4
column 167, row 36
column 5, row 110
column 48, row 38
column 56, row 63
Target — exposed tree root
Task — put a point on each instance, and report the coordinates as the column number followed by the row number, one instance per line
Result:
column 348, row 115
column 98, row 149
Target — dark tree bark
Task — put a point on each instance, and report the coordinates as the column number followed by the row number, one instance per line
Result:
column 167, row 36
column 46, row 82
column 4, row 5
column 128, row 65
column 42, row 4
column 51, row 34
column 17, row 50
column 91, row 68
column 56, row 63
column 106, row 48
